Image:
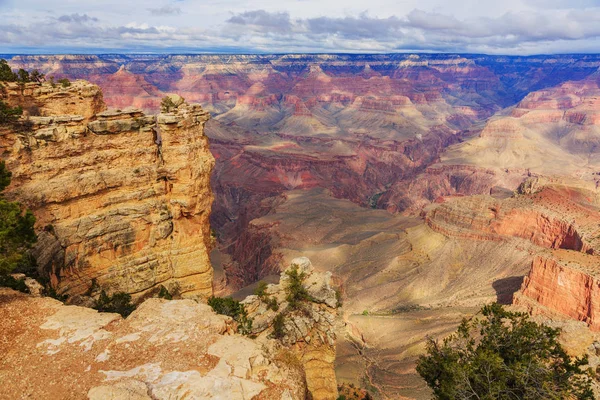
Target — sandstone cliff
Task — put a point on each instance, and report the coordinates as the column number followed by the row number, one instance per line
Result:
column 121, row 198
column 79, row 98
column 164, row 350
column 566, row 284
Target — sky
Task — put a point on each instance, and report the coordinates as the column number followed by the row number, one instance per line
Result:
column 519, row 27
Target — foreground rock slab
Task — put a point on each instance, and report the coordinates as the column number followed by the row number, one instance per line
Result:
column 164, row 350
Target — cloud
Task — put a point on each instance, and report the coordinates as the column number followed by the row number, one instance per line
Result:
column 77, row 18
column 556, row 29
column 165, row 10
column 362, row 26
column 278, row 22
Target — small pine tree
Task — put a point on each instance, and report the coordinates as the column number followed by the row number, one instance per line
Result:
column 296, row 293
column 6, row 73
column 9, row 115
column 234, row 309
column 37, row 76
column 164, row 293
column 16, row 228
column 166, row 105
column 23, row 76
column 503, row 356
column 119, row 302
column 278, row 326
column 261, row 292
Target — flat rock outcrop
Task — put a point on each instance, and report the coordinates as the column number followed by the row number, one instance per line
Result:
column 121, row 198
column 163, row 350
column 77, row 98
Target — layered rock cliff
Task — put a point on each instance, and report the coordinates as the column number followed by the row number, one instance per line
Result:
column 121, row 199
column 566, row 284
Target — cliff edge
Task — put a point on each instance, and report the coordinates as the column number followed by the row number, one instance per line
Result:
column 122, row 199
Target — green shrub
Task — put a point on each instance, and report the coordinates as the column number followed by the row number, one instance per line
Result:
column 23, row 76
column 278, row 325
column 119, row 302
column 234, row 309
column 9, row 115
column 261, row 289
column 15, row 284
column 261, row 292
column 503, row 355
column 163, row 293
column 338, row 297
column 6, row 73
column 296, row 293
column 64, row 82
column 16, row 229
column 49, row 291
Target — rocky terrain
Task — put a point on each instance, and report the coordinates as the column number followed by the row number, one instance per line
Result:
column 426, row 185
column 170, row 349
column 121, row 199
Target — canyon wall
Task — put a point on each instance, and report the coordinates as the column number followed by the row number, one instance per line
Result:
column 564, row 285
column 121, row 199
column 363, row 126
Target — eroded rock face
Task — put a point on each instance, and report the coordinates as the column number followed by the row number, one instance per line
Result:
column 548, row 219
column 123, row 199
column 78, row 98
column 566, row 284
column 309, row 330
column 163, row 350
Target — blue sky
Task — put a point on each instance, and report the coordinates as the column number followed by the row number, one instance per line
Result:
column 492, row 27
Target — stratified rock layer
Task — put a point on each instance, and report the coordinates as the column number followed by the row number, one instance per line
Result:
column 564, row 283
column 164, row 350
column 122, row 200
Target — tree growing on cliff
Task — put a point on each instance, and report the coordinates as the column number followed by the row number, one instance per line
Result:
column 9, row 115
column 6, row 73
column 234, row 309
column 503, row 355
column 16, row 228
column 166, row 105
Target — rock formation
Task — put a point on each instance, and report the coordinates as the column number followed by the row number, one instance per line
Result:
column 75, row 99
column 466, row 147
column 121, row 199
column 565, row 284
column 163, row 350
column 173, row 349
column 309, row 331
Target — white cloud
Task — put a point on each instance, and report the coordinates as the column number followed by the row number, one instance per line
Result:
column 165, row 10
column 511, row 26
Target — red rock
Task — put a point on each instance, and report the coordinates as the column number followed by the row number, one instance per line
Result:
column 566, row 285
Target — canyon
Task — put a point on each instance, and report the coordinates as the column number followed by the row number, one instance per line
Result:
column 426, row 185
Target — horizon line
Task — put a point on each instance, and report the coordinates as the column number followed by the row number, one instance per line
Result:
column 246, row 53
